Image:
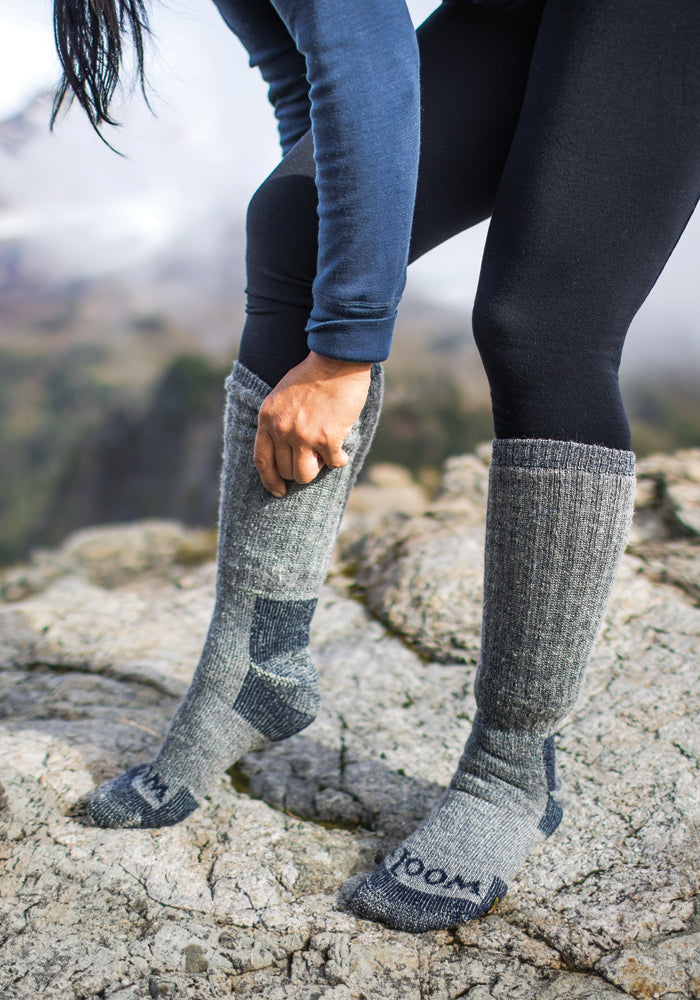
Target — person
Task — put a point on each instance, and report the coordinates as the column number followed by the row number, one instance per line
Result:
column 575, row 128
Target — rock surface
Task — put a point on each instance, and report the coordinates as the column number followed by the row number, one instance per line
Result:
column 247, row 897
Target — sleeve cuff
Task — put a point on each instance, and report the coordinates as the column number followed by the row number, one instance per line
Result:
column 361, row 339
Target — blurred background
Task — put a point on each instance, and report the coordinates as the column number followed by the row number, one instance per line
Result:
column 121, row 295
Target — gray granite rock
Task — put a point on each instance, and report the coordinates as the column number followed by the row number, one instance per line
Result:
column 111, row 555
column 667, row 523
column 386, row 488
column 247, row 897
column 669, row 487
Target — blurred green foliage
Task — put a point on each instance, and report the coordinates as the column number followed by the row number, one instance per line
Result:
column 47, row 404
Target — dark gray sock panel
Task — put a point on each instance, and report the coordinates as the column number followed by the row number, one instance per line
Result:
column 255, row 681
column 558, row 519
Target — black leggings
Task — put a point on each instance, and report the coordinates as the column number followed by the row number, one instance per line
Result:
column 576, row 126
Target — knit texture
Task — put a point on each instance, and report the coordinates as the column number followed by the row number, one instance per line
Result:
column 255, row 681
column 558, row 519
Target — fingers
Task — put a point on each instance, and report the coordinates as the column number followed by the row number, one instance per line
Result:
column 307, row 464
column 304, row 421
column 296, row 461
column 284, row 458
column 333, row 455
column 266, row 464
column 277, row 461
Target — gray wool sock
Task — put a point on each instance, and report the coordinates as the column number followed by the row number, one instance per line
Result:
column 255, row 681
column 558, row 519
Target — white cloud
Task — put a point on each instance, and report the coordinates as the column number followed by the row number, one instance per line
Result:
column 28, row 61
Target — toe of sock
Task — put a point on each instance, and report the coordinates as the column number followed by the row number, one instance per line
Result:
column 117, row 804
column 383, row 898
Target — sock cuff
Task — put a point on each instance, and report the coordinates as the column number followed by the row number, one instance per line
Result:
column 243, row 378
column 375, row 393
column 539, row 453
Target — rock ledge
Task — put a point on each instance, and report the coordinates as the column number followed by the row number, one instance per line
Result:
column 97, row 642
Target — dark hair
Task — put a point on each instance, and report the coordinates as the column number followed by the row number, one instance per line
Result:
column 89, row 38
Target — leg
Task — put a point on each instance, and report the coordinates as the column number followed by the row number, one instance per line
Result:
column 254, row 682
column 601, row 179
column 590, row 205
column 282, row 230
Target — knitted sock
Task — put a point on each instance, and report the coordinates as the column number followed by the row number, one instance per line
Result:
column 255, row 681
column 558, row 519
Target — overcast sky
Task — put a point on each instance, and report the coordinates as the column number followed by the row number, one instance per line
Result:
column 211, row 102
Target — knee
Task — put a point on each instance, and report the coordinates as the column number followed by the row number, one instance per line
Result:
column 282, row 239
column 508, row 336
column 552, row 374
column 534, row 338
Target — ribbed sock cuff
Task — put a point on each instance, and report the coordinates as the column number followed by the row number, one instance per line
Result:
column 539, row 453
column 246, row 379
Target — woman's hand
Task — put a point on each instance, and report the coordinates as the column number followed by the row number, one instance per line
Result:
column 303, row 422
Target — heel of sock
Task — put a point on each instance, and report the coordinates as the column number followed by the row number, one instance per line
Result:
column 552, row 816
column 280, row 700
column 279, row 694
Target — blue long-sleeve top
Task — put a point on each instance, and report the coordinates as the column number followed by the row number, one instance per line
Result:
column 351, row 71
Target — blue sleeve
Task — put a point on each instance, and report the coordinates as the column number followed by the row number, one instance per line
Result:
column 360, row 59
column 271, row 48
column 362, row 67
